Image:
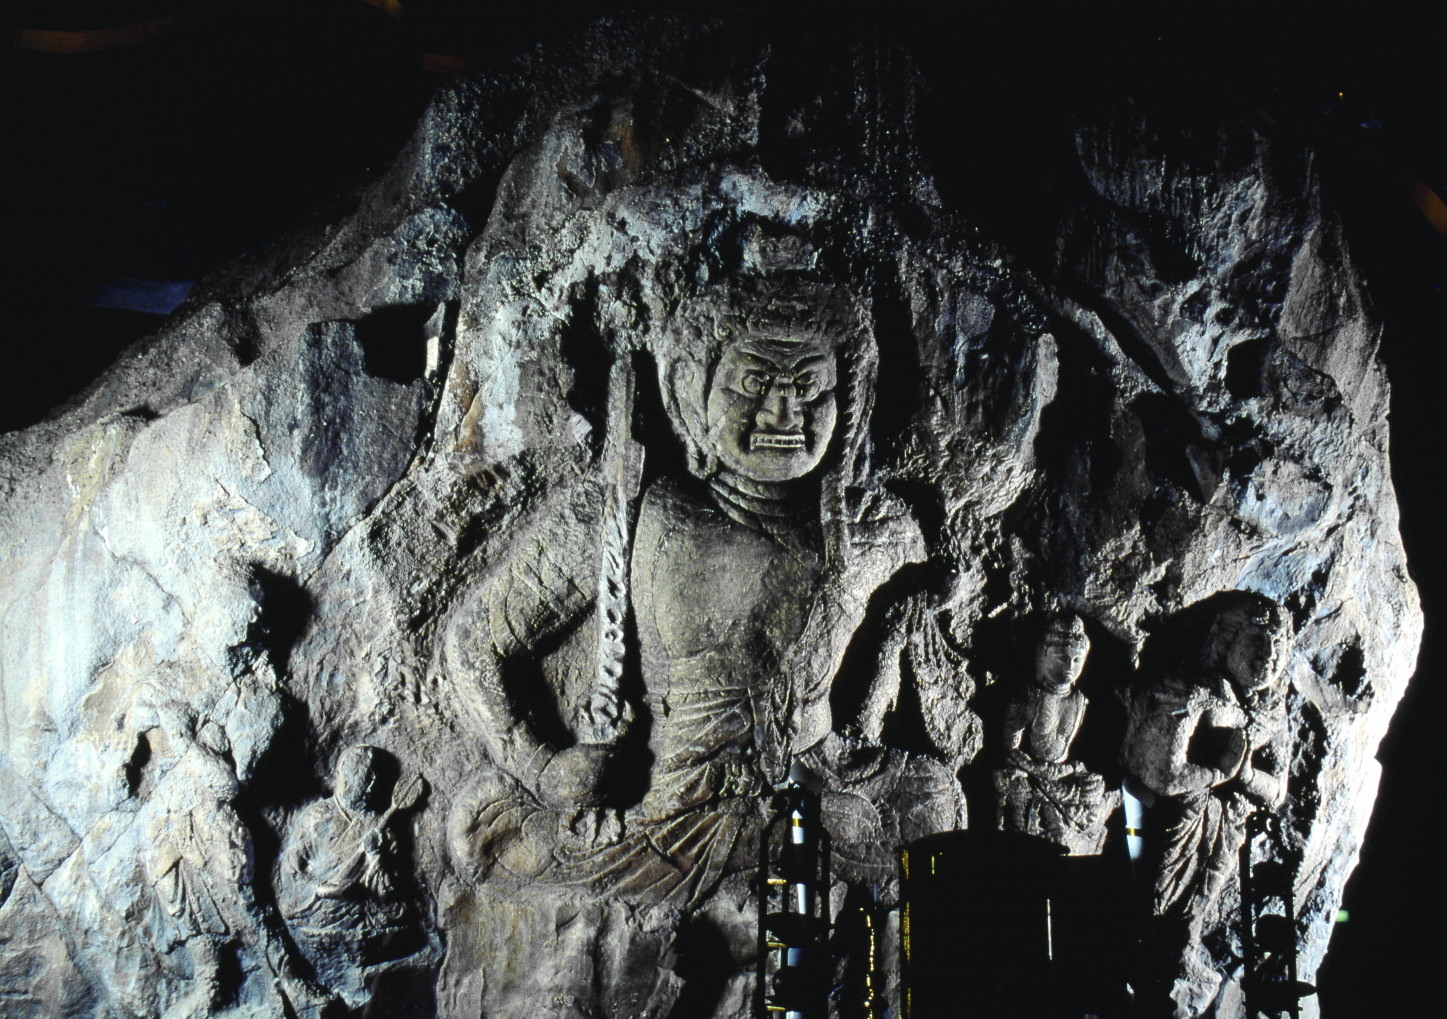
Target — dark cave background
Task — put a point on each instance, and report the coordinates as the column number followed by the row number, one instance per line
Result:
column 147, row 143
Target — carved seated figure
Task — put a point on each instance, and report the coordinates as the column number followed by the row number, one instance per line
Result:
column 1040, row 791
column 334, row 878
column 747, row 577
column 1209, row 744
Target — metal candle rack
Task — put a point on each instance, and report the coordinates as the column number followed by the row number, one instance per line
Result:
column 1268, row 921
column 794, row 962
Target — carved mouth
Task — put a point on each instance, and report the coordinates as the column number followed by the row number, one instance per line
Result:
column 776, row 440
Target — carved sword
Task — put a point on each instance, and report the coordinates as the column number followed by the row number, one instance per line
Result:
column 623, row 467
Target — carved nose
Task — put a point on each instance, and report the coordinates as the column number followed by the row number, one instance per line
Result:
column 779, row 411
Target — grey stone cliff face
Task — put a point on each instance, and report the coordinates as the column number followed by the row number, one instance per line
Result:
column 422, row 619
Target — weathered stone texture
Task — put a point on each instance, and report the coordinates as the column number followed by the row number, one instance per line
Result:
column 383, row 485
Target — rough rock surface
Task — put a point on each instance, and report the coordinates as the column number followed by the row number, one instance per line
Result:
column 650, row 426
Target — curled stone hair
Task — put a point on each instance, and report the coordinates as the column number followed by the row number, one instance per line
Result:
column 1065, row 625
column 688, row 344
column 1237, row 610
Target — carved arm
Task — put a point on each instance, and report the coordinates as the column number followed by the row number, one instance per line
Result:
column 886, row 539
column 547, row 585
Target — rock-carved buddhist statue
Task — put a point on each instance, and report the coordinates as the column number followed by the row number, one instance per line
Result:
column 198, row 859
column 1040, row 790
column 336, row 885
column 748, row 572
column 1206, row 743
column 193, row 857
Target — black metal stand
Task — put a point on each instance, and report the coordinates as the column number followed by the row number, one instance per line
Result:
column 794, row 963
column 1268, row 922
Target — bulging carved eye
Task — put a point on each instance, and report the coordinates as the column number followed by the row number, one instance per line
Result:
column 754, row 383
column 806, row 385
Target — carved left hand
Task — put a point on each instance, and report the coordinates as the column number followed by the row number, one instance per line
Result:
column 597, row 828
column 850, row 817
column 575, row 776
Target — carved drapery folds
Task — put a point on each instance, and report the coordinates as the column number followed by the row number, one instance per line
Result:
column 732, row 449
column 1041, row 790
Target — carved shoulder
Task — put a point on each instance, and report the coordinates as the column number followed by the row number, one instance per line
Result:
column 546, row 579
column 881, row 523
column 667, row 501
column 1019, row 713
column 311, row 825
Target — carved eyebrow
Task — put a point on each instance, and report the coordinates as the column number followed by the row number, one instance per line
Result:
column 784, row 361
column 808, row 361
column 759, row 359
